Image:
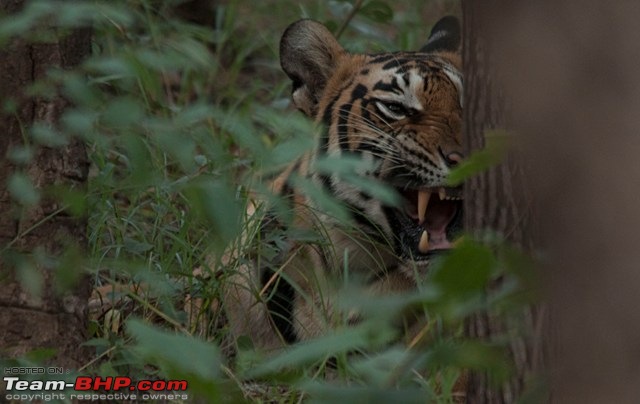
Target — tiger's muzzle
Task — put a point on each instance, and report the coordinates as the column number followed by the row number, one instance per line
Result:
column 428, row 222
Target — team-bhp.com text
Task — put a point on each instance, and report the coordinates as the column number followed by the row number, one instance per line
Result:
column 95, row 388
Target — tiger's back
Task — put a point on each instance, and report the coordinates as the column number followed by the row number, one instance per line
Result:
column 401, row 112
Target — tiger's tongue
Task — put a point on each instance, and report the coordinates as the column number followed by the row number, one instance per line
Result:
column 436, row 226
column 434, row 221
column 439, row 215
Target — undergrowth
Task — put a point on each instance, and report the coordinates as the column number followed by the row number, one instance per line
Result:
column 183, row 122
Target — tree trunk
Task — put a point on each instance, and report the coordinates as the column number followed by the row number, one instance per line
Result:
column 569, row 71
column 573, row 79
column 51, row 320
column 497, row 199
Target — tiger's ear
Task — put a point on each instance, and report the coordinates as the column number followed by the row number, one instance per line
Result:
column 309, row 54
column 446, row 36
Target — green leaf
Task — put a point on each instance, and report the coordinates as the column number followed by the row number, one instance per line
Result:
column 470, row 355
column 47, row 136
column 139, row 158
column 355, row 171
column 75, row 14
column 324, row 201
column 466, row 269
column 160, row 61
column 123, row 112
column 295, row 136
column 81, row 92
column 221, row 206
column 20, row 155
column 22, row 190
column 22, row 23
column 28, row 274
column 341, row 341
column 200, row 160
column 82, row 13
column 9, row 106
column 112, row 67
column 241, row 128
column 193, row 115
column 368, row 394
column 377, row 11
column 178, row 356
column 378, row 368
column 136, row 247
column 178, row 146
column 113, row 14
column 80, row 122
column 496, row 146
column 195, row 52
column 385, row 308
column 97, row 342
column 40, row 355
column 286, row 152
column 69, row 269
column 74, row 200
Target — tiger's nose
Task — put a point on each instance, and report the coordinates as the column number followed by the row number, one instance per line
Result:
column 453, row 159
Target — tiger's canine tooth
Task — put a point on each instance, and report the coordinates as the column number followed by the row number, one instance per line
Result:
column 423, row 245
column 442, row 193
column 423, row 201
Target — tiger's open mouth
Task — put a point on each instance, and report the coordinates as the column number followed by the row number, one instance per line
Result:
column 429, row 221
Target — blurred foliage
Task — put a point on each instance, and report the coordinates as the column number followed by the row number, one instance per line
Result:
column 181, row 121
column 497, row 142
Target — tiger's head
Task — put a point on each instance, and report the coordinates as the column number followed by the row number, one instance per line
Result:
column 402, row 111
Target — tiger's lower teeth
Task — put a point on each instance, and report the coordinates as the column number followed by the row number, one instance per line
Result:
column 423, row 245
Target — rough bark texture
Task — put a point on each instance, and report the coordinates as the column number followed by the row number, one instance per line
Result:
column 53, row 321
column 497, row 199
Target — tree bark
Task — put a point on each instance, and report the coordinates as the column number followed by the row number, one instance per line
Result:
column 573, row 79
column 52, row 320
column 569, row 72
column 498, row 199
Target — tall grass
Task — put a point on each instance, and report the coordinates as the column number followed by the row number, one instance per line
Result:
column 183, row 123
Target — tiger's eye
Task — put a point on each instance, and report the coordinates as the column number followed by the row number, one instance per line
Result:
column 396, row 108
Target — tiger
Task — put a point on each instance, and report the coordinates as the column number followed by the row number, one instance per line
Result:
column 401, row 112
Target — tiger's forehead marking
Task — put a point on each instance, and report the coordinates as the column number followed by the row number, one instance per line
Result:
column 411, row 83
column 456, row 78
column 401, row 77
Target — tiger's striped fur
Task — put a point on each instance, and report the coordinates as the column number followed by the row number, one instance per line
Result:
column 402, row 112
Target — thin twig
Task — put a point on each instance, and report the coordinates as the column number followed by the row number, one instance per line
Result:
column 33, row 227
column 97, row 358
column 345, row 23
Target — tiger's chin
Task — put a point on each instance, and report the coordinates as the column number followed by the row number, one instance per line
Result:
column 428, row 223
